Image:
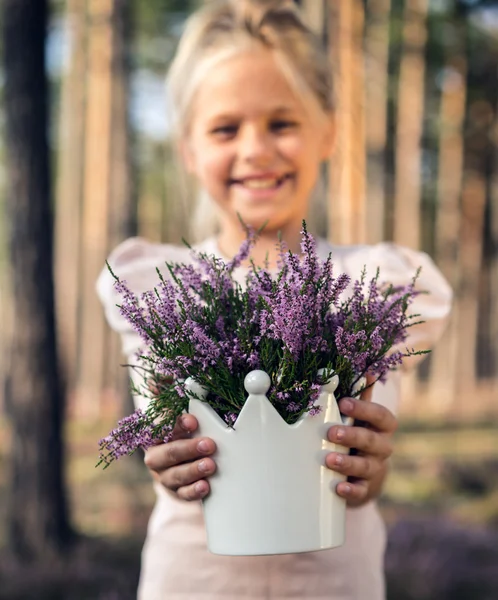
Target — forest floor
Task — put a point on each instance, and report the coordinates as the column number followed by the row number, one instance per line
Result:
column 441, row 497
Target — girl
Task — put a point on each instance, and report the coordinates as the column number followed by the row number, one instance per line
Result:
column 252, row 92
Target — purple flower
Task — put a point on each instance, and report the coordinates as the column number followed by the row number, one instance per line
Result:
column 132, row 433
column 230, row 418
column 244, row 250
column 315, row 411
column 200, row 322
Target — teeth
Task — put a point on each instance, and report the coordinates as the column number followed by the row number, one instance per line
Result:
column 259, row 184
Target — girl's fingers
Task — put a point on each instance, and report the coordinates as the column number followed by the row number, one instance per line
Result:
column 364, row 440
column 165, row 456
column 355, row 493
column 184, row 426
column 195, row 491
column 155, row 385
column 185, row 475
column 153, row 388
column 366, row 395
column 376, row 415
column 362, row 467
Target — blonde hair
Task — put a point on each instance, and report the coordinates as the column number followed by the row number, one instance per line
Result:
column 223, row 28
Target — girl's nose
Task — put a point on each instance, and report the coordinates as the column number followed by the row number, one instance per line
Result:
column 255, row 146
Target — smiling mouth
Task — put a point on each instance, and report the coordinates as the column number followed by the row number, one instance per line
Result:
column 263, row 183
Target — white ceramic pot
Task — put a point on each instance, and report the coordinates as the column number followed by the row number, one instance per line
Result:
column 272, row 493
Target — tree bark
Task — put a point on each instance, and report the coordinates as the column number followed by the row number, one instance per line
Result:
column 471, row 245
column 347, row 194
column 487, row 355
column 376, row 88
column 123, row 193
column 408, row 174
column 123, row 206
column 37, row 510
column 444, row 363
column 69, row 192
column 493, row 258
column 408, row 157
column 470, row 290
column 96, row 206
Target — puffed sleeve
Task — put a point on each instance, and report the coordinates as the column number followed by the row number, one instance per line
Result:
column 127, row 262
column 134, row 261
column 398, row 266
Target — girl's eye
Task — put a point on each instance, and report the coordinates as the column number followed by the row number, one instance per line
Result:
column 225, row 131
column 282, row 125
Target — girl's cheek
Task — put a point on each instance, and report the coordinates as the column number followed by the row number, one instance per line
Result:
column 292, row 147
column 216, row 166
column 217, row 162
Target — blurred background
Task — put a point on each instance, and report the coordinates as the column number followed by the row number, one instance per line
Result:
column 85, row 162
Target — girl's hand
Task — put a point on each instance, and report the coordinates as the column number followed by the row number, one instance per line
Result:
column 182, row 464
column 367, row 469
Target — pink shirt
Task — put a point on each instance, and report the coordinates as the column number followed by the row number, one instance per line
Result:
column 176, row 564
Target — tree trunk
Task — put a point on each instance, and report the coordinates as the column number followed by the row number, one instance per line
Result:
column 472, row 259
column 487, row 350
column 408, row 157
column 6, row 316
column 123, row 213
column 123, row 197
column 443, row 369
column 37, row 511
column 376, row 88
column 347, row 210
column 96, row 206
column 408, row 175
column 473, row 207
column 493, row 260
column 69, row 192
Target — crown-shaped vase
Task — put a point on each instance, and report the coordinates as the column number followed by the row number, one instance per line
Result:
column 271, row 493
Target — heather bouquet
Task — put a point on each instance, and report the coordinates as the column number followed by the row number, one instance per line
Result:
column 200, row 322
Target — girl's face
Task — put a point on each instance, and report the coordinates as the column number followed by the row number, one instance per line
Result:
column 253, row 144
